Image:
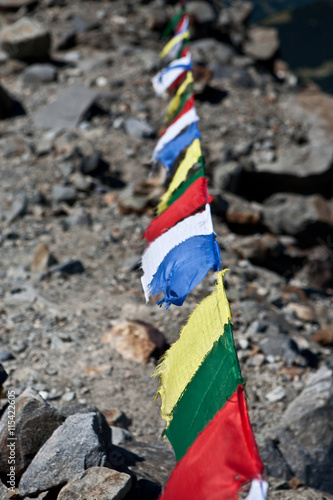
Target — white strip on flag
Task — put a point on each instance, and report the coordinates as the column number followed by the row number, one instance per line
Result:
column 168, row 75
column 195, row 225
column 173, row 130
column 258, row 490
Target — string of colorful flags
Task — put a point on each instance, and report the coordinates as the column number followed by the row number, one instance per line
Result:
column 201, row 387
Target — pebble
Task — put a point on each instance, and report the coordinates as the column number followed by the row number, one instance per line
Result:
column 40, row 73
column 276, row 394
column 66, row 194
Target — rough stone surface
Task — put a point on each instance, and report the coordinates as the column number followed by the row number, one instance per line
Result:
column 72, row 107
column 98, row 483
column 26, row 39
column 306, row 218
column 40, row 73
column 139, row 129
column 262, row 43
column 135, row 340
column 35, row 421
column 304, row 437
column 74, row 447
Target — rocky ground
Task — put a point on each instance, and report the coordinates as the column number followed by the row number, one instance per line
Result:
column 76, row 135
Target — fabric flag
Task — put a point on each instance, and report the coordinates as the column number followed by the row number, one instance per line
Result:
column 198, row 224
column 165, row 78
column 181, row 361
column 172, row 48
column 258, row 490
column 186, row 118
column 174, row 23
column 184, row 267
column 186, row 105
column 223, row 458
column 183, row 24
column 195, row 173
column 172, row 149
column 176, row 100
column 192, row 155
column 191, row 200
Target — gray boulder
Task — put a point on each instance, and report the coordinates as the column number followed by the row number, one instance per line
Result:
column 98, row 483
column 35, row 422
column 75, row 446
column 304, row 440
column 26, row 39
column 306, row 218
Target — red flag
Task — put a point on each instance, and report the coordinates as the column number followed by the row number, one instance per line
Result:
column 190, row 201
column 223, row 458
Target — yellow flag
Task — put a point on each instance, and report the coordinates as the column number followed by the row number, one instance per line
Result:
column 176, row 39
column 175, row 101
column 192, row 155
column 180, row 363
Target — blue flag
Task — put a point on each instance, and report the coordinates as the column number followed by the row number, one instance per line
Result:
column 184, row 267
column 172, row 149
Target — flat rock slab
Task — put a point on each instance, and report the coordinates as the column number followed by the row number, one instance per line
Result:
column 26, row 39
column 98, row 483
column 72, row 107
column 75, row 446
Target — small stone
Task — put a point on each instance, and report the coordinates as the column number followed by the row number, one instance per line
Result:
column 26, row 39
column 120, row 436
column 302, row 312
column 256, row 360
column 66, row 194
column 276, row 395
column 69, row 267
column 262, row 43
column 91, row 163
column 135, row 340
column 18, row 209
column 75, row 446
column 40, row 73
column 98, row 483
column 139, row 129
column 116, row 417
column 42, row 258
column 324, row 336
column 68, row 396
column 81, row 182
column 6, row 355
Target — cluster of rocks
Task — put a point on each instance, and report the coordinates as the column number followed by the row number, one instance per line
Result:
column 66, row 452
column 78, row 123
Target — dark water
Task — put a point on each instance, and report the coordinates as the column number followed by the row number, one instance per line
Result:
column 306, row 36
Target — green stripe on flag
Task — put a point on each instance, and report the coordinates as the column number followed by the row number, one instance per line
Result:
column 213, row 384
column 200, row 172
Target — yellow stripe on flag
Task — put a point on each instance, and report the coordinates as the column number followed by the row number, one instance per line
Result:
column 170, row 45
column 175, row 101
column 180, row 363
column 192, row 155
